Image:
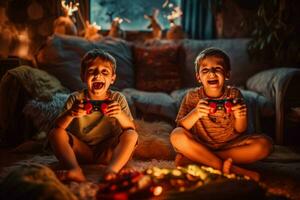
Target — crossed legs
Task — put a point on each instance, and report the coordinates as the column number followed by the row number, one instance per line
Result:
column 253, row 150
column 70, row 156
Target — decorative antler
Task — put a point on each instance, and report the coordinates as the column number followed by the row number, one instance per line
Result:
column 115, row 30
column 92, row 31
column 154, row 24
column 175, row 31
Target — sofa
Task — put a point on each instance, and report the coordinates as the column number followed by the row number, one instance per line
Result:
column 153, row 75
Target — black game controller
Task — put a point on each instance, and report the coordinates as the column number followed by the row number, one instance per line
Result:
column 222, row 104
column 96, row 105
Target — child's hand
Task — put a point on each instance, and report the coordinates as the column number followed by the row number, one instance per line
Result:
column 239, row 110
column 77, row 110
column 113, row 110
column 202, row 108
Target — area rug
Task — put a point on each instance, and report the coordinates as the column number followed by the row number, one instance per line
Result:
column 280, row 174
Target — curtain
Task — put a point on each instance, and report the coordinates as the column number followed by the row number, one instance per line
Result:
column 197, row 20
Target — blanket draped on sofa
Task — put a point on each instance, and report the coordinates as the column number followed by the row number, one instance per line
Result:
column 18, row 86
column 275, row 84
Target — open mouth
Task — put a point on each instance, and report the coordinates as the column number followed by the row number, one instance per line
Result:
column 97, row 85
column 212, row 82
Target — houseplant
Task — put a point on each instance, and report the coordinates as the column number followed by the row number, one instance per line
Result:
column 275, row 36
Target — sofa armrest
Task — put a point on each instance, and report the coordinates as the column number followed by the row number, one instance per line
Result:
column 275, row 84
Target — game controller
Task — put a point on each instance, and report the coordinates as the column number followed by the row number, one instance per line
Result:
column 222, row 104
column 96, row 105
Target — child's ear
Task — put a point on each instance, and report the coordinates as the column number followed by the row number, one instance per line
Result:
column 113, row 78
column 227, row 76
column 198, row 77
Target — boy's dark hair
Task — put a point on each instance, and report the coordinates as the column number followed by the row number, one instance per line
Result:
column 213, row 52
column 91, row 55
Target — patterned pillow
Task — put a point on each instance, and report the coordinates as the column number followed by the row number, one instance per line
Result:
column 157, row 66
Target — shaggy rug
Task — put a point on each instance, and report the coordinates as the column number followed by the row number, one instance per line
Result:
column 280, row 172
column 279, row 178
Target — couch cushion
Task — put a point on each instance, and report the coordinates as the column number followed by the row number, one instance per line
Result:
column 157, row 66
column 178, row 96
column 61, row 57
column 241, row 66
column 153, row 103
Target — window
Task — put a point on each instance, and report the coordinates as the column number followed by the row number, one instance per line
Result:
column 132, row 12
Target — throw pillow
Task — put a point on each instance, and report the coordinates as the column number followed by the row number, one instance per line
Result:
column 61, row 57
column 157, row 66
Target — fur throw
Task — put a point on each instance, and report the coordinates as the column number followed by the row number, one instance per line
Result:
column 154, row 142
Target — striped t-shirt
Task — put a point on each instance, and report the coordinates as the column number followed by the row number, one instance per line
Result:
column 216, row 129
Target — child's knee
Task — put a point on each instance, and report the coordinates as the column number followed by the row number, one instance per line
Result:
column 178, row 137
column 130, row 135
column 264, row 147
column 55, row 133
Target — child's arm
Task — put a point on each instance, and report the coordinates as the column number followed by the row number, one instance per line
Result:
column 77, row 110
column 240, row 115
column 201, row 110
column 114, row 110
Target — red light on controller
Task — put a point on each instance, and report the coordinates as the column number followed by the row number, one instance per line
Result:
column 212, row 107
column 228, row 106
column 104, row 107
column 88, row 107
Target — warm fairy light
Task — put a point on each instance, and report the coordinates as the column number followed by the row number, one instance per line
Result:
column 154, row 181
column 212, row 170
column 118, row 20
column 176, row 13
column 23, row 49
column 98, row 27
column 70, row 7
column 176, row 172
column 157, row 190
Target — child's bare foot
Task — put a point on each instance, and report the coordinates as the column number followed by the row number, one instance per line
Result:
column 251, row 174
column 181, row 160
column 109, row 176
column 227, row 166
column 70, row 175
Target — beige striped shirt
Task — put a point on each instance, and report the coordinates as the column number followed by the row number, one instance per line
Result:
column 218, row 128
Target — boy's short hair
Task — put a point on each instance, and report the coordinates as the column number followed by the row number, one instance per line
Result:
column 213, row 52
column 91, row 55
